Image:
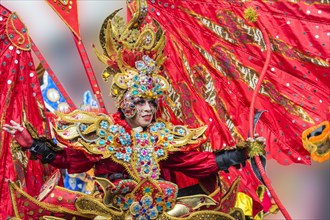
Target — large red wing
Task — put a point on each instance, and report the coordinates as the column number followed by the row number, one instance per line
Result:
column 215, row 57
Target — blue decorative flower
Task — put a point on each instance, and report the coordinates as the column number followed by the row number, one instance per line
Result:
column 181, row 131
column 169, row 191
column 127, row 158
column 119, row 155
column 160, row 152
column 102, row 133
column 144, row 209
column 147, row 190
column 101, row 142
column 113, row 128
column 104, row 124
column 83, row 127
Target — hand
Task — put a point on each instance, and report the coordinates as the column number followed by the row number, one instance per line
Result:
column 22, row 136
column 256, row 146
column 256, row 138
column 13, row 128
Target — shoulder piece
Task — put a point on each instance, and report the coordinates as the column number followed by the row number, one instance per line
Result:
column 87, row 131
column 180, row 135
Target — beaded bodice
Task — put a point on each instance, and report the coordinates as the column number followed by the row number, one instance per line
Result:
column 138, row 152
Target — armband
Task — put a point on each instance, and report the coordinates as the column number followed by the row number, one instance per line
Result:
column 228, row 158
column 42, row 151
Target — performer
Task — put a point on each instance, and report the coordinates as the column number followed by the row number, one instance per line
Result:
column 194, row 163
column 133, row 146
column 132, row 149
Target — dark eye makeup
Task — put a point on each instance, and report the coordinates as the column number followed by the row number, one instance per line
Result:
column 144, row 101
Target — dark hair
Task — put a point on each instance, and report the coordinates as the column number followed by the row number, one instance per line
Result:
column 122, row 115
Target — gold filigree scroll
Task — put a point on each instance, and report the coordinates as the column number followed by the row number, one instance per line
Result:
column 17, row 33
column 88, row 204
column 18, row 196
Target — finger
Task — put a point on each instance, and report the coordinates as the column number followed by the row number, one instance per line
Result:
column 16, row 126
column 14, row 123
column 10, row 131
column 7, row 126
column 7, row 129
column 261, row 139
column 250, row 139
column 19, row 128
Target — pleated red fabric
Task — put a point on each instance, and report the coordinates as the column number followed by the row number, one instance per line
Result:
column 20, row 100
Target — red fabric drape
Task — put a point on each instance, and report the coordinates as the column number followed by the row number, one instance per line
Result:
column 20, row 97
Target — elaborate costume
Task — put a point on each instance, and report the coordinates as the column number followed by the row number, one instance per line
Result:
column 133, row 162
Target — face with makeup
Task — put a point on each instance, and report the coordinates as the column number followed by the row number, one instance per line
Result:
column 145, row 111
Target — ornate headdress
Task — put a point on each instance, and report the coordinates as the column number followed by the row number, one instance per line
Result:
column 134, row 55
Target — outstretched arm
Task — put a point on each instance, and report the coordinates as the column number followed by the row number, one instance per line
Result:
column 194, row 164
column 73, row 160
column 199, row 165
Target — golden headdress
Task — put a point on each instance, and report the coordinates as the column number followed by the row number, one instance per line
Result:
column 134, row 55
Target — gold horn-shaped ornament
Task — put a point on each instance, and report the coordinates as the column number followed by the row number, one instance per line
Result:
column 106, row 37
column 106, row 40
column 137, row 18
column 108, row 44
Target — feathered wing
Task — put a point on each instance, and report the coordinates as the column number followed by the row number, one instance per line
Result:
column 215, row 57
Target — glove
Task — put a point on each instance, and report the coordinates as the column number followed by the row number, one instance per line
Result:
column 228, row 158
column 244, row 151
column 24, row 138
column 20, row 133
column 42, row 151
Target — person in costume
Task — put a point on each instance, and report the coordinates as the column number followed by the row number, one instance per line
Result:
column 131, row 150
column 133, row 146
